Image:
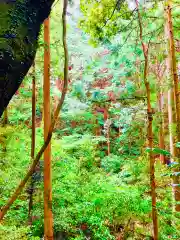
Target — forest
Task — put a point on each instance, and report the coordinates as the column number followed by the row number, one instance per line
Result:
column 89, row 119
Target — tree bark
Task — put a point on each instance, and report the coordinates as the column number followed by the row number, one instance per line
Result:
column 106, row 116
column 161, row 124
column 175, row 100
column 174, row 69
column 149, row 129
column 33, row 141
column 19, row 33
column 48, row 216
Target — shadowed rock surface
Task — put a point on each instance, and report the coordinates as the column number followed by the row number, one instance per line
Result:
column 20, row 22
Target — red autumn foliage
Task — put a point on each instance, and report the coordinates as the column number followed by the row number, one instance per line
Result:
column 102, row 82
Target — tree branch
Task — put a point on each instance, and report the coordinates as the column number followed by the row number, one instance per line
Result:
column 117, row 4
column 142, row 98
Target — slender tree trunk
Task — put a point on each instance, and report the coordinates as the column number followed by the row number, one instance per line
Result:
column 33, row 142
column 33, row 136
column 48, row 217
column 173, row 149
column 151, row 158
column 106, row 116
column 172, row 120
column 166, row 121
column 97, row 129
column 108, row 142
column 174, row 101
column 161, row 125
column 149, row 129
column 174, row 68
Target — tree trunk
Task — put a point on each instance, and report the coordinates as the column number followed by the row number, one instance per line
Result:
column 149, row 129
column 97, row 129
column 106, row 116
column 161, row 125
column 174, row 100
column 174, row 68
column 33, row 136
column 48, row 217
column 151, row 158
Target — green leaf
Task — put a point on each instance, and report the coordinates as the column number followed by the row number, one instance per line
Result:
column 158, row 151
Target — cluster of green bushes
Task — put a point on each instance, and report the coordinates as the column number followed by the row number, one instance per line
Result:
column 92, row 197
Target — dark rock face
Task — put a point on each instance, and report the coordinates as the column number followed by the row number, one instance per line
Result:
column 20, row 22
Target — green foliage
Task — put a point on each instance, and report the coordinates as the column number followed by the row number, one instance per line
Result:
column 94, row 195
column 16, row 233
column 158, row 151
column 103, row 19
column 82, row 193
column 112, row 163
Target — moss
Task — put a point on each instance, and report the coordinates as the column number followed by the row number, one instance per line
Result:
column 20, row 26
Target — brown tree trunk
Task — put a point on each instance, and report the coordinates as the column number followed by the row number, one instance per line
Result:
column 172, row 121
column 97, row 128
column 174, row 68
column 48, row 217
column 151, row 158
column 33, row 136
column 173, row 149
column 106, row 116
column 33, row 113
column 161, row 125
column 175, row 99
column 149, row 129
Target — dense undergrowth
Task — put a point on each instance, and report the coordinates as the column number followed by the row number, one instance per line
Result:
column 93, row 196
